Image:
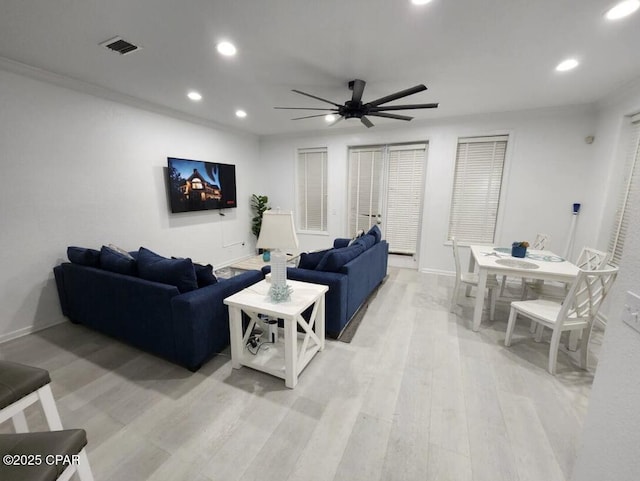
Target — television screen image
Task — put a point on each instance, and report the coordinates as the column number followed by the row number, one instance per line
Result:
column 197, row 185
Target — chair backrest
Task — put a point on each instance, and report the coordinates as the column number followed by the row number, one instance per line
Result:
column 587, row 294
column 591, row 259
column 456, row 257
column 541, row 242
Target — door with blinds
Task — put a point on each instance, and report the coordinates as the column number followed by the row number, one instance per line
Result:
column 386, row 188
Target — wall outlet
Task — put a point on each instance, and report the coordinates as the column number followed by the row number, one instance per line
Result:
column 631, row 311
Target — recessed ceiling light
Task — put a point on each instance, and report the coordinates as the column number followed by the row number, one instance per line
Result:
column 226, row 48
column 420, row 2
column 566, row 65
column 622, row 9
column 241, row 113
column 195, row 96
column 329, row 117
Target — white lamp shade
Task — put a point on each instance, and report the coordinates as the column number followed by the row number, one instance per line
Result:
column 277, row 231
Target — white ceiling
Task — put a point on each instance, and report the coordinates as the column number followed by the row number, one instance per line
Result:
column 474, row 56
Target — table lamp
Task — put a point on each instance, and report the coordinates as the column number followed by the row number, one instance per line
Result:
column 278, row 233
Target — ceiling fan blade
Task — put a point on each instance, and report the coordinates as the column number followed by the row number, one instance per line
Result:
column 390, row 116
column 305, row 108
column 403, row 107
column 336, row 121
column 397, row 95
column 310, row 116
column 317, row 98
column 366, row 122
column 358, row 89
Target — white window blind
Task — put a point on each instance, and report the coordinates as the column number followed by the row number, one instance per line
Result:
column 404, row 197
column 476, row 188
column 312, row 189
column 631, row 184
column 365, row 188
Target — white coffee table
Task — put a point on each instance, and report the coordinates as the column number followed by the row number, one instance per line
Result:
column 288, row 356
column 256, row 263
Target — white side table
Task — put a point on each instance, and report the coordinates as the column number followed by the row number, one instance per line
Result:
column 294, row 350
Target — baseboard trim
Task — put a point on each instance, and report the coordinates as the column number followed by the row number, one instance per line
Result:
column 27, row 330
column 439, row 272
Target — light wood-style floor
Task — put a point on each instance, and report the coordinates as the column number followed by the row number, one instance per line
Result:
column 416, row 396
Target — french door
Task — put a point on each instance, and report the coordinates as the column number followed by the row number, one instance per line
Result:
column 386, row 188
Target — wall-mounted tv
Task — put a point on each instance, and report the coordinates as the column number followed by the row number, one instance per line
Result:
column 198, row 185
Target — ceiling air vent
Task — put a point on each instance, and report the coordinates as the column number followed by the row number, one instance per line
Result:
column 120, row 45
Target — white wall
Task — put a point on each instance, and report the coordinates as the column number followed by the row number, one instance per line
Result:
column 549, row 167
column 612, row 428
column 81, row 170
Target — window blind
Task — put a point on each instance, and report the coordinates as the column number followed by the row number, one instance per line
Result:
column 404, row 197
column 476, row 188
column 631, row 184
column 312, row 189
column 365, row 187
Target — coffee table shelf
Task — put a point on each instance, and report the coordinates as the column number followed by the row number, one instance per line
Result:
column 257, row 263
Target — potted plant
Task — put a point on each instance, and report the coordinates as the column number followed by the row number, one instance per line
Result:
column 259, row 204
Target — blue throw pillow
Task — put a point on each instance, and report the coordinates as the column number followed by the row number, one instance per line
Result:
column 358, row 235
column 336, row 258
column 114, row 261
column 175, row 272
column 367, row 241
column 83, row 256
column 309, row 260
column 204, row 275
column 375, row 232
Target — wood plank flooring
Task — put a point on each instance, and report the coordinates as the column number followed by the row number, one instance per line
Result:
column 416, row 396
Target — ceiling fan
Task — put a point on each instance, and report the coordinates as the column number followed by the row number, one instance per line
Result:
column 355, row 108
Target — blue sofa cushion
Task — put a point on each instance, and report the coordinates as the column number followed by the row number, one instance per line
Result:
column 204, row 275
column 175, row 272
column 336, row 258
column 83, row 256
column 375, row 232
column 310, row 260
column 367, row 241
column 358, row 235
column 114, row 261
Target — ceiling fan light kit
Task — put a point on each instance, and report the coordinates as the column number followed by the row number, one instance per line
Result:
column 356, row 108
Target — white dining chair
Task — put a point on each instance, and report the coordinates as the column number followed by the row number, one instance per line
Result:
column 589, row 260
column 540, row 243
column 471, row 279
column 576, row 312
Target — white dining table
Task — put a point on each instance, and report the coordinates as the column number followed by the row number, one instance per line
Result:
column 539, row 264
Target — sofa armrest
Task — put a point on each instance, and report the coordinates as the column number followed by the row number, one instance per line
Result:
column 340, row 242
column 201, row 320
column 335, row 298
column 365, row 272
column 62, row 293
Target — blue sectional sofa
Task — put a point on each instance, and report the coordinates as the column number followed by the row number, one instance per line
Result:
column 153, row 303
column 352, row 270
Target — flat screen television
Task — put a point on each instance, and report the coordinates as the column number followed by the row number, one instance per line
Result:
column 197, row 185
